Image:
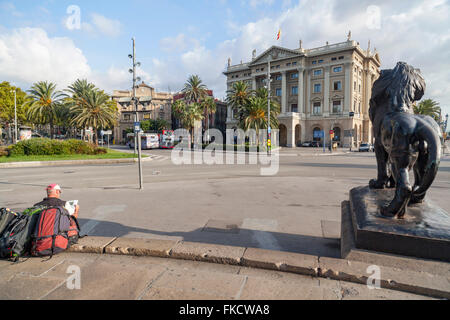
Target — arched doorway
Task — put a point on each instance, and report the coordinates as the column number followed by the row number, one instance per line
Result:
column 317, row 134
column 298, row 135
column 283, row 135
column 337, row 135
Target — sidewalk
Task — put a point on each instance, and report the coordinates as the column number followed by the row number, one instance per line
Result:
column 108, row 277
column 111, row 268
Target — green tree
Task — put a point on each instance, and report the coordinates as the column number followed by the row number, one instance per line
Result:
column 429, row 107
column 77, row 92
column 254, row 115
column 238, row 96
column 95, row 110
column 194, row 89
column 157, row 125
column 43, row 101
column 209, row 108
column 7, row 103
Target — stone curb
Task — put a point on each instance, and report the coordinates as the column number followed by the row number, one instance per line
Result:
column 393, row 278
column 33, row 164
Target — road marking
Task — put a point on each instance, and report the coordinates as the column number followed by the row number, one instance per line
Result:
column 8, row 190
column 262, row 232
column 100, row 213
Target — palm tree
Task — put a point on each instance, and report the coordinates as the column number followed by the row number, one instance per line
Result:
column 78, row 91
column 43, row 100
column 194, row 89
column 238, row 96
column 209, row 108
column 429, row 107
column 254, row 115
column 97, row 110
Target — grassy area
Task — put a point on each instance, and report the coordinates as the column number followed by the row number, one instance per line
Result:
column 111, row 154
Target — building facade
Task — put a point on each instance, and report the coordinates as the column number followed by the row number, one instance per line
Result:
column 321, row 89
column 151, row 105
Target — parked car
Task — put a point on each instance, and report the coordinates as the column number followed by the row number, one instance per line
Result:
column 307, row 144
column 366, row 147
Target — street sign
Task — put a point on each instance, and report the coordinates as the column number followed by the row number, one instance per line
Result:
column 137, row 127
column 331, row 131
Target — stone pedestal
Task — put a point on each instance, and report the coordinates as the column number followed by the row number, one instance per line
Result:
column 423, row 233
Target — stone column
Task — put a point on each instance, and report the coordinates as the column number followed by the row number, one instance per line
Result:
column 368, row 91
column 301, row 92
column 284, row 93
column 253, row 83
column 326, row 88
column 291, row 134
column 348, row 86
column 229, row 113
column 308, row 93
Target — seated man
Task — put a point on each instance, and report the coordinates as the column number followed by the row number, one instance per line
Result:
column 53, row 199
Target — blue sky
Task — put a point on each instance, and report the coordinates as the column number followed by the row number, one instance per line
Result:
column 179, row 38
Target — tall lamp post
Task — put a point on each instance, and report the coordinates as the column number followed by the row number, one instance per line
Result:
column 269, row 129
column 137, row 130
column 15, row 116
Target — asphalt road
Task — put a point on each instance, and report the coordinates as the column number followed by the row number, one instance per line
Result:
column 296, row 210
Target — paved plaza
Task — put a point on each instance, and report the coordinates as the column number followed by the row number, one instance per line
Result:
column 296, row 211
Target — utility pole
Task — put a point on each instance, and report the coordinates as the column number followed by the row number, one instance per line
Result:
column 269, row 129
column 15, row 115
column 137, row 131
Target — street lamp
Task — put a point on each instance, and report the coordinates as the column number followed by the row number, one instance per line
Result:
column 137, row 137
column 269, row 129
column 15, row 115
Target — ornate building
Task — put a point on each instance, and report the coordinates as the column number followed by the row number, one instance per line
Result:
column 151, row 105
column 318, row 89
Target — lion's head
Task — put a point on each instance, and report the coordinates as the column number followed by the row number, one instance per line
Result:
column 397, row 89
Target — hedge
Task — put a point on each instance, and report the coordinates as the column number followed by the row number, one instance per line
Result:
column 48, row 147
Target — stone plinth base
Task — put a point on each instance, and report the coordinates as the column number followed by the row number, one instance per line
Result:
column 423, row 233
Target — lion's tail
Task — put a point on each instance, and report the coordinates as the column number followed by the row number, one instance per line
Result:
column 433, row 150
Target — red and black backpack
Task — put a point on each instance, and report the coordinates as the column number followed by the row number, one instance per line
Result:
column 56, row 230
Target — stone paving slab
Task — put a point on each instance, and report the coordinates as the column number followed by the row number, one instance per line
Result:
column 208, row 253
column 141, row 247
column 283, row 261
column 26, row 287
column 391, row 278
column 104, row 280
column 199, row 283
column 92, row 244
column 154, row 281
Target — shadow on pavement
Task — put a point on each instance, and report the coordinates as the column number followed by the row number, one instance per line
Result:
column 295, row 243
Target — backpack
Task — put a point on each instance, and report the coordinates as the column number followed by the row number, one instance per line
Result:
column 15, row 240
column 55, row 231
column 6, row 216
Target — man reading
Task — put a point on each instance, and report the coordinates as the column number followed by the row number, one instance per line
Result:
column 53, row 199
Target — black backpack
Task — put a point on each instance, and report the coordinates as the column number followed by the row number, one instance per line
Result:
column 15, row 241
column 6, row 216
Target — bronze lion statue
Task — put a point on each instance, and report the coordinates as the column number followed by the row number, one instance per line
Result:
column 403, row 140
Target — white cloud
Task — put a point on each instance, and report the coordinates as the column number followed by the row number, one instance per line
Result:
column 28, row 55
column 109, row 27
column 98, row 25
column 416, row 31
